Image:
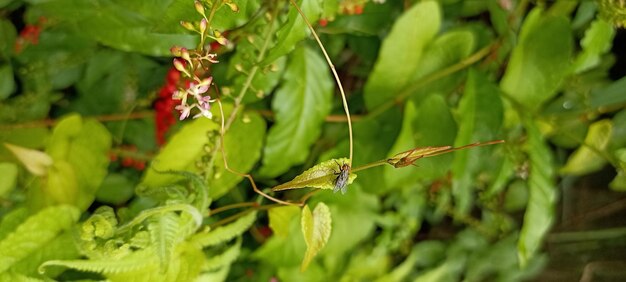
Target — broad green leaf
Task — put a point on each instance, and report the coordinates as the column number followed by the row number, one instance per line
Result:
column 409, row 36
column 352, row 223
column 116, row 26
column 7, row 37
column 542, row 197
column 84, row 145
column 300, row 106
column 283, row 251
column 9, row 178
column 34, row 233
column 226, row 232
column 12, row 219
column 294, row 30
column 597, row 41
column 116, row 189
column 180, row 153
column 61, row 247
column 433, row 126
column 316, row 228
column 7, row 81
column 608, row 96
column 619, row 182
column 480, row 118
column 540, row 61
column 586, row 158
column 225, row 258
column 243, row 144
column 36, row 162
column 400, row 176
column 322, row 176
column 280, row 218
column 61, row 185
column 444, row 51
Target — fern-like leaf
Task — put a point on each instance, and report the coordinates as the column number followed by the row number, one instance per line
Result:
column 163, row 234
column 132, row 262
column 225, row 233
column 16, row 277
column 37, row 231
column 189, row 209
column 225, row 258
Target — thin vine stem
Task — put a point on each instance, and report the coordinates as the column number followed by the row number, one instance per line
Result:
column 232, row 206
column 242, row 213
column 332, row 68
column 254, row 187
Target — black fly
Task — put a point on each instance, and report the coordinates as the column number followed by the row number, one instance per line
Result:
column 342, row 178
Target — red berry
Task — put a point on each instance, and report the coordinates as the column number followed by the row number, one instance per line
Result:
column 127, row 161
column 139, row 165
column 323, row 22
column 358, row 9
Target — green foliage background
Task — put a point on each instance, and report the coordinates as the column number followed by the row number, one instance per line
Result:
column 538, row 74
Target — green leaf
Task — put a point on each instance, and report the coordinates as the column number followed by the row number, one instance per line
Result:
column 7, row 82
column 9, row 178
column 480, row 118
column 597, row 41
column 586, row 159
column 409, row 36
column 61, row 247
column 34, row 233
column 395, row 177
column 180, row 153
column 300, row 106
column 116, row 26
column 294, row 30
column 12, row 219
column 322, row 176
column 316, row 229
column 433, row 126
column 7, row 37
column 280, row 219
column 243, row 143
column 608, row 96
column 225, row 258
column 540, row 61
column 353, row 223
column 84, row 145
column 36, row 162
column 542, row 197
column 225, row 233
column 445, row 51
column 116, row 189
column 283, row 251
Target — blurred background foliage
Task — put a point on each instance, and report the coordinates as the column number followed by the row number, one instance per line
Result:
column 85, row 107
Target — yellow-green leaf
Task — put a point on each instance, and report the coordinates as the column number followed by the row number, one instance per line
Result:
column 280, row 217
column 586, row 158
column 316, row 229
column 36, row 162
column 322, row 176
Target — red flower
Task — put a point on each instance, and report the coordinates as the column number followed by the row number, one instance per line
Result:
column 164, row 106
